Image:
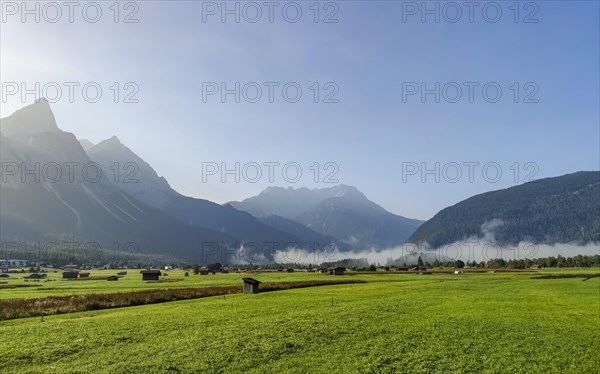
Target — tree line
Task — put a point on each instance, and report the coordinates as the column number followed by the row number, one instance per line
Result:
column 579, row 261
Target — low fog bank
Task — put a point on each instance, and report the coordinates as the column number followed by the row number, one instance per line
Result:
column 468, row 251
column 408, row 254
column 482, row 248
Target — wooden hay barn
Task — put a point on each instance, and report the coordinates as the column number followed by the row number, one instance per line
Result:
column 337, row 271
column 70, row 274
column 251, row 285
column 84, row 275
column 149, row 275
column 112, row 278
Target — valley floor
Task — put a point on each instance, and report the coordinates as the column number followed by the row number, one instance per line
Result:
column 490, row 323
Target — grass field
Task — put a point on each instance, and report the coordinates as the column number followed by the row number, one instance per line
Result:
column 493, row 323
column 56, row 286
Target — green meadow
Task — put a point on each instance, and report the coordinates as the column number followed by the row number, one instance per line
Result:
column 395, row 323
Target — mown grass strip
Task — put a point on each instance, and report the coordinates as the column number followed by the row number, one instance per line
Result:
column 22, row 308
column 560, row 276
column 9, row 286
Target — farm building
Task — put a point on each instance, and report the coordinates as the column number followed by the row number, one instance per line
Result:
column 290, row 270
column 149, row 275
column 37, row 276
column 70, row 274
column 122, row 273
column 251, row 285
column 84, row 275
column 337, row 271
column 112, row 278
column 402, row 269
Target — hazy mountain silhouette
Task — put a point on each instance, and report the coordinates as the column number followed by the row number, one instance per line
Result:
column 341, row 212
column 77, row 206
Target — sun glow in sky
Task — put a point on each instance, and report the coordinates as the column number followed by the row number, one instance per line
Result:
column 377, row 136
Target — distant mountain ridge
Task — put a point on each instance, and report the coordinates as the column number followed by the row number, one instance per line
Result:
column 563, row 209
column 341, row 212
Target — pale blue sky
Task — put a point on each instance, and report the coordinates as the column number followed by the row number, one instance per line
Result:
column 368, row 54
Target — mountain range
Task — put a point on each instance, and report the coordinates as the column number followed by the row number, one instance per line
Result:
column 56, row 188
column 127, row 201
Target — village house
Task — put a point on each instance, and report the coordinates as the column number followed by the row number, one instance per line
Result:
column 251, row 285
column 13, row 263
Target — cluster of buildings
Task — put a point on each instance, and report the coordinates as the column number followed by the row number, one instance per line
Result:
column 5, row 264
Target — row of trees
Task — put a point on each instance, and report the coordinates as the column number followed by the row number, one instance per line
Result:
column 579, row 261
